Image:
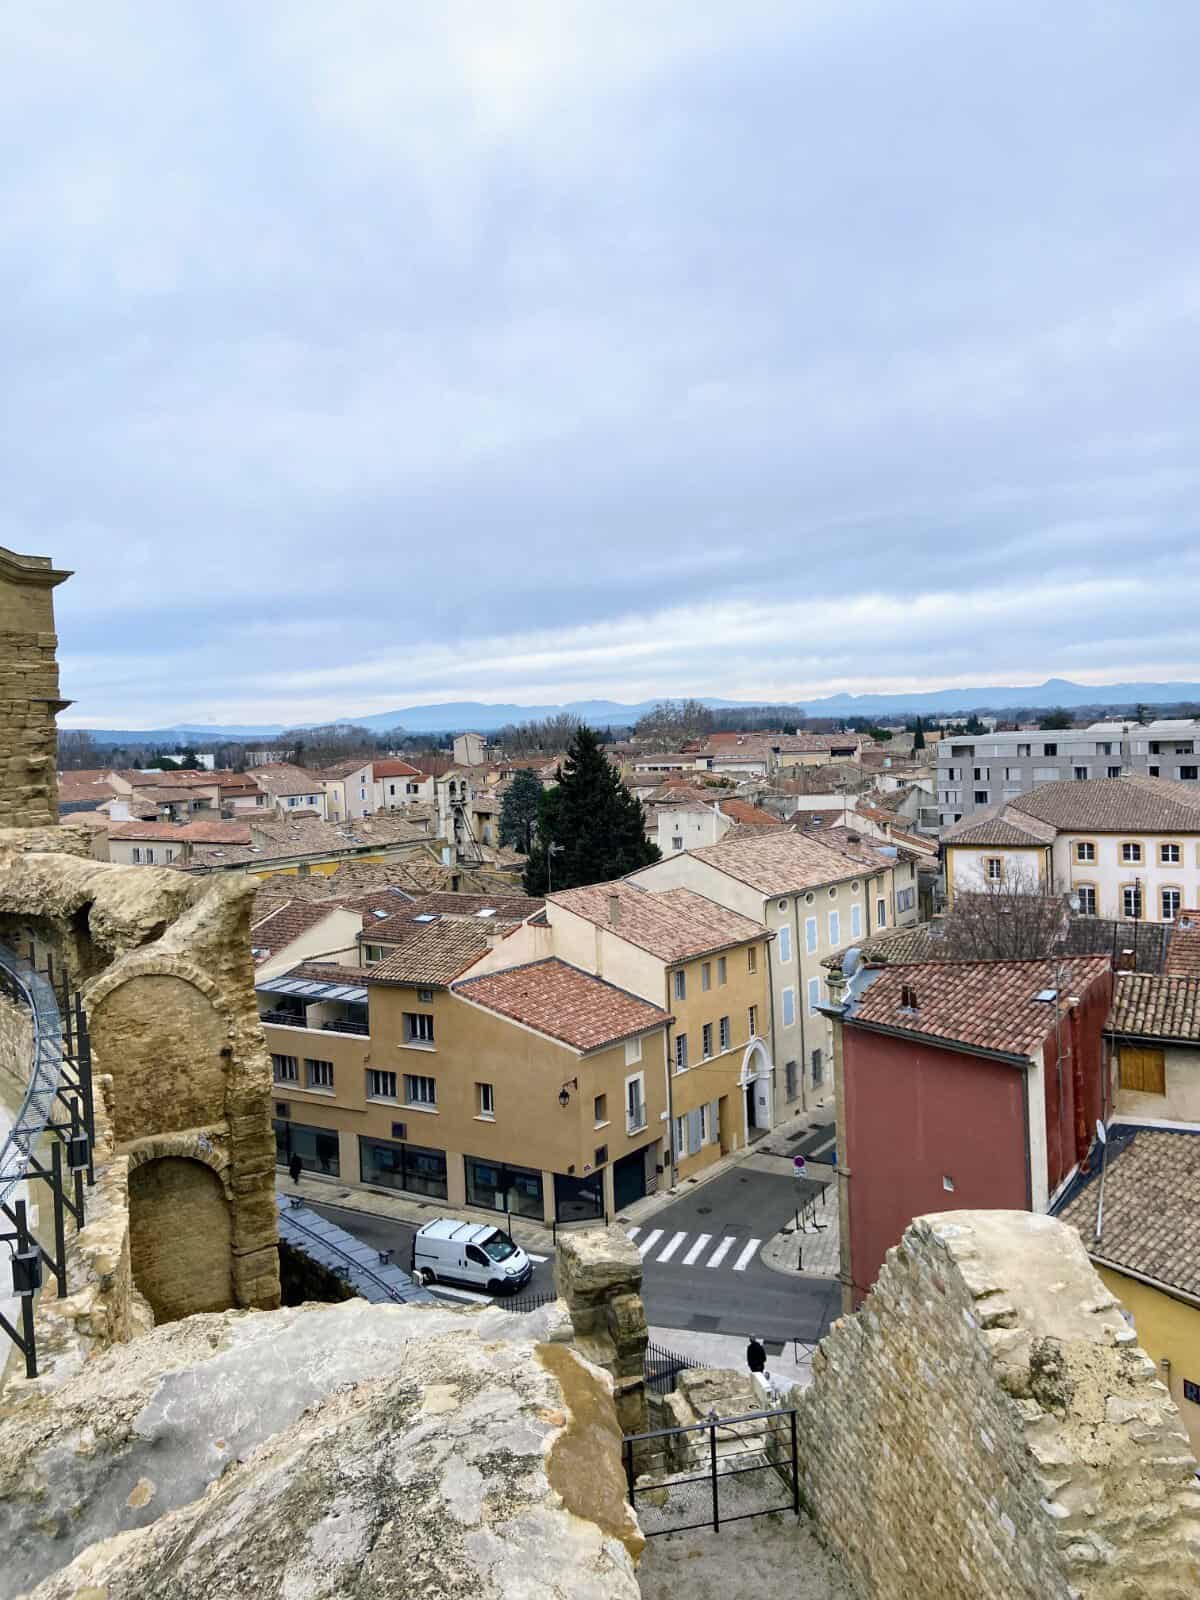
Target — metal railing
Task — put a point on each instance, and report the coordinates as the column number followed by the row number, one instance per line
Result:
column 749, row 1466
column 57, row 1105
column 519, row 1304
column 662, row 1368
column 352, row 1265
column 344, row 1025
column 635, row 1121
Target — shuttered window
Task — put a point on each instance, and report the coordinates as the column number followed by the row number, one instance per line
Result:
column 1143, row 1069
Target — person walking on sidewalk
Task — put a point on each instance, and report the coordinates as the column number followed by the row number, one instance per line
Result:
column 295, row 1167
column 756, row 1356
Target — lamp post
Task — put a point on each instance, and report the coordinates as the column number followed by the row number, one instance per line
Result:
column 552, row 850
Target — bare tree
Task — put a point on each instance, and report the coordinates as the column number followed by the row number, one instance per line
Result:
column 76, row 750
column 1006, row 919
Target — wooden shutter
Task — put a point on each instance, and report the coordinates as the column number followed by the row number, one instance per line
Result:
column 1143, row 1069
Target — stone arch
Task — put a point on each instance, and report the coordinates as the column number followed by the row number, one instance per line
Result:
column 180, row 1237
column 756, row 1063
column 159, row 1027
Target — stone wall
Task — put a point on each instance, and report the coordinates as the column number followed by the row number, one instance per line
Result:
column 598, row 1273
column 987, row 1429
column 29, row 698
column 16, row 1045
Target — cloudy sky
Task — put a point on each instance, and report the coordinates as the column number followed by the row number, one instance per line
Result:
column 365, row 355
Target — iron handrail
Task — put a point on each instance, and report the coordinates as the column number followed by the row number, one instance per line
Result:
column 45, row 1075
column 358, row 1266
column 710, row 1422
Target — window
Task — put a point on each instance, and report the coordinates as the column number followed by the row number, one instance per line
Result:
column 1087, row 899
column 814, row 995
column 1131, row 901
column 1152, row 772
column 680, row 1138
column 316, row 1147
column 752, row 1020
column 1012, row 774
column 635, row 1104
column 784, row 945
column 1131, row 851
column 403, row 1166
column 372, row 952
column 418, row 1090
column 789, row 1079
column 722, row 971
column 600, row 1110
column 136, row 855
column 706, row 977
column 856, row 921
column 1085, row 850
column 981, row 797
column 752, row 958
column 789, row 1007
column 706, row 1040
column 1170, row 855
column 818, row 1069
column 906, row 899
column 676, row 841
column 600, row 1155
column 1050, row 749
column 681, row 1052
column 1143, row 1070
column 835, row 928
column 286, row 1069
column 981, row 774
column 1188, row 774
column 380, row 1085
column 169, row 853
column 1171, row 901
column 1024, row 750
column 1081, row 773
column 485, row 1100
column 497, row 1187
column 418, row 1027
column 1046, row 774
column 810, row 934
column 425, row 996
column 680, row 985
column 633, row 1051
column 881, row 913
column 1114, row 772
column 319, row 1074
column 995, row 868
column 725, row 1033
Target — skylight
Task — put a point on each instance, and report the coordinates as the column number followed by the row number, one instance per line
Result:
column 1046, row 995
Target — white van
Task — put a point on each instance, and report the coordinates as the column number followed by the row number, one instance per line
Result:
column 469, row 1252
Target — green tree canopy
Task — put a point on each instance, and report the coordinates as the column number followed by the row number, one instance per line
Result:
column 519, row 811
column 919, row 735
column 590, row 828
column 1056, row 719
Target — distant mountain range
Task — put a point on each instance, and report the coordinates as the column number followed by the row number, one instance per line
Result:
column 454, row 716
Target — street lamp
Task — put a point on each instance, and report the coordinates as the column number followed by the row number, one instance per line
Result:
column 564, row 1094
column 552, row 850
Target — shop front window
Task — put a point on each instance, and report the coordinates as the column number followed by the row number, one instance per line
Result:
column 316, row 1147
column 488, row 1182
column 409, row 1167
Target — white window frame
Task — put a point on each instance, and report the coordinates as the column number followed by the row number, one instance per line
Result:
column 881, row 913
column 418, row 1029
column 314, row 1070
column 638, row 1078
column 681, row 1052
column 376, row 1085
column 285, row 1069
column 706, row 1041
column 633, row 1050
column 705, row 976
column 485, row 1101
column 679, row 984
column 722, row 972
column 420, row 1091
column 725, row 1034
column 1164, row 891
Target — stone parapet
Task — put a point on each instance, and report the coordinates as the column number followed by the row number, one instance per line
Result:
column 598, row 1273
column 987, row 1423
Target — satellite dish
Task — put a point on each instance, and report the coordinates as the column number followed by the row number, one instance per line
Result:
column 1101, row 1132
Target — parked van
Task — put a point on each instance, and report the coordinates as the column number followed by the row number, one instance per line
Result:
column 469, row 1252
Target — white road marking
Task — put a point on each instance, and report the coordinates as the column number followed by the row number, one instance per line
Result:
column 633, row 1232
column 697, row 1249
column 650, row 1240
column 672, row 1247
column 746, row 1257
column 721, row 1251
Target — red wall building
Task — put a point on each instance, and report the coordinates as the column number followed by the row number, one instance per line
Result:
column 960, row 1090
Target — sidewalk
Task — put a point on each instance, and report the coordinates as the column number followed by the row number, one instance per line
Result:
column 790, row 1368
column 812, row 1251
column 537, row 1238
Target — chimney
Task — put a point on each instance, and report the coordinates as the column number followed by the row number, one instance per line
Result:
column 1126, row 961
column 614, row 910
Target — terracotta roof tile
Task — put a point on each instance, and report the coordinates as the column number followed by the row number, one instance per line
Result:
column 985, row 1005
column 672, row 924
column 435, row 955
column 564, row 1003
column 1183, row 950
column 286, row 923
column 1151, row 1220
column 999, row 825
column 1148, row 1006
column 743, row 811
column 779, row 861
column 1132, row 804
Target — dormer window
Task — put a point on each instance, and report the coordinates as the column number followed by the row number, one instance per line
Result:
column 908, row 998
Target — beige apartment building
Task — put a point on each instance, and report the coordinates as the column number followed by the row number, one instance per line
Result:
column 537, row 1089
column 349, row 789
column 815, row 897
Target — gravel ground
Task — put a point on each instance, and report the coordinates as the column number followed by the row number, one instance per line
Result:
column 759, row 1559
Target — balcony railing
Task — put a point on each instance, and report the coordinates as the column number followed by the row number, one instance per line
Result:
column 285, row 1019
column 635, row 1120
column 344, row 1025
column 293, row 1019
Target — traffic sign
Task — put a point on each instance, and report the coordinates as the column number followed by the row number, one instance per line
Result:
column 798, row 1166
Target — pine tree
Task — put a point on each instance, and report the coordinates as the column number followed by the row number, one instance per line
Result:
column 594, row 826
column 519, row 811
column 919, row 736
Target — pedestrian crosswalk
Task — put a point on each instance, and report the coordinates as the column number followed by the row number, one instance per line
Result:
column 661, row 1245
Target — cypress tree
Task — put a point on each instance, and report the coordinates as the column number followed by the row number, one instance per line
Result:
column 597, row 827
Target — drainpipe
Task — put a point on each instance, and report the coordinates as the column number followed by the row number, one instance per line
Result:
column 672, row 1168
column 1082, row 1142
column 801, row 1001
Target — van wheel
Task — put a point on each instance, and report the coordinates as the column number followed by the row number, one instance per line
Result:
column 426, row 1276
column 495, row 1287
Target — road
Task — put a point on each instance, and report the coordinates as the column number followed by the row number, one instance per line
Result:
column 702, row 1269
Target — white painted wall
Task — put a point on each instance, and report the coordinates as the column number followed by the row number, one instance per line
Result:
column 693, row 827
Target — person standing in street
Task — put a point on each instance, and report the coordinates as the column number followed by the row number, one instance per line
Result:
column 756, row 1356
column 295, row 1167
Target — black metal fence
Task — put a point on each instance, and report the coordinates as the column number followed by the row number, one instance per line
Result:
column 722, row 1470
column 56, row 1117
column 521, row 1303
column 663, row 1368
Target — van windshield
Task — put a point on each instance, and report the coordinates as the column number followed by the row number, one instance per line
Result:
column 499, row 1248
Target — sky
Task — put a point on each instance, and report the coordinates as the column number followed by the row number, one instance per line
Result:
column 370, row 355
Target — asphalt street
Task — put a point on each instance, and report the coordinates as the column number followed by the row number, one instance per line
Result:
column 702, row 1268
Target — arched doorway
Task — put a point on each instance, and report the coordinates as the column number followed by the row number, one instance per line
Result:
column 180, row 1237
column 755, row 1079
